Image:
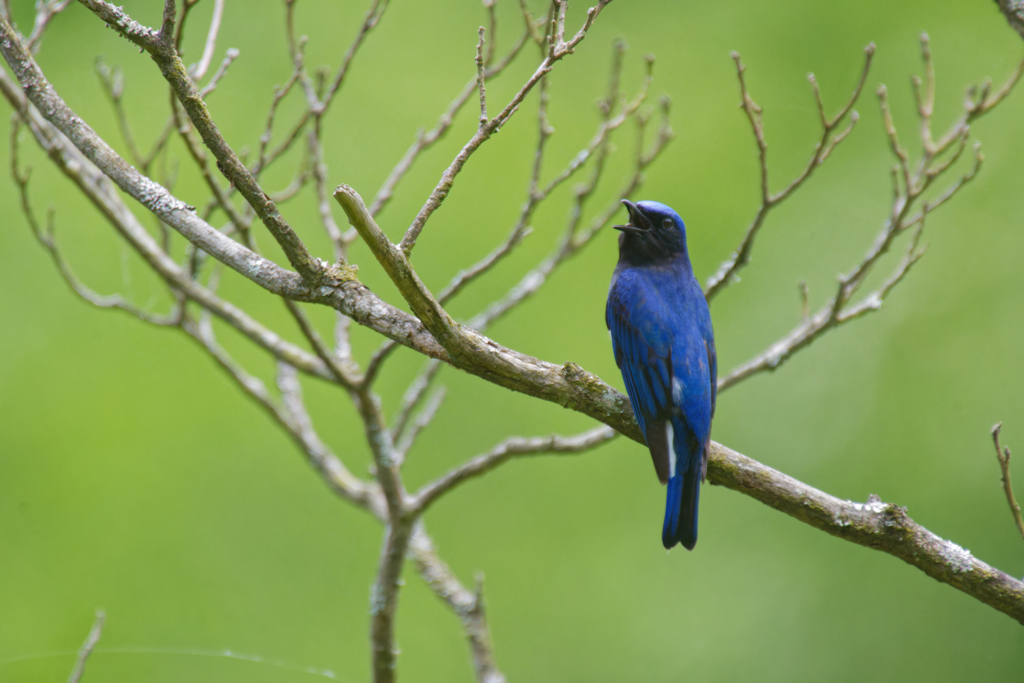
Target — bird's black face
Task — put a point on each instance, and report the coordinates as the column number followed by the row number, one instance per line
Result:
column 654, row 233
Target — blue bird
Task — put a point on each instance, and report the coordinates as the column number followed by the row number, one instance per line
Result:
column 661, row 333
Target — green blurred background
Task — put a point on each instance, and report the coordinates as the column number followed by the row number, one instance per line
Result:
column 136, row 478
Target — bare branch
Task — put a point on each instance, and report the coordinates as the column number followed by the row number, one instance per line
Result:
column 211, row 44
column 422, row 421
column 398, row 527
column 398, row 268
column 228, row 162
column 345, row 293
column 220, row 195
column 384, row 601
column 87, row 647
column 290, row 415
column 559, row 48
column 112, row 80
column 834, row 313
column 877, row 525
column 382, row 353
column 143, row 36
column 264, row 159
column 903, row 159
column 49, row 242
column 502, row 453
column 88, row 179
column 1003, row 455
column 906, row 195
column 480, row 77
column 467, row 605
column 167, row 33
column 370, row 19
column 425, row 140
column 229, row 57
column 924, row 94
column 822, row 149
column 340, row 373
column 46, row 10
column 413, row 395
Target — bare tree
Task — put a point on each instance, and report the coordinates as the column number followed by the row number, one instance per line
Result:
column 923, row 180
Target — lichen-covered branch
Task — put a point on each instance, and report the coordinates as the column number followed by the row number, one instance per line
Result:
column 161, row 49
column 877, row 525
column 1013, row 10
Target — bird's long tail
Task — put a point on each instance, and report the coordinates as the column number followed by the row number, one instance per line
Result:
column 681, row 509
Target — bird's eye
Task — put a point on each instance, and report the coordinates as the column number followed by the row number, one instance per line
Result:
column 667, row 223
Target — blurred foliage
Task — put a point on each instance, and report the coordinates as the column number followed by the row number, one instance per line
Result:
column 136, row 478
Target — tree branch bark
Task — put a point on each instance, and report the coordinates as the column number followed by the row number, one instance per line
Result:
column 877, row 525
column 1013, row 10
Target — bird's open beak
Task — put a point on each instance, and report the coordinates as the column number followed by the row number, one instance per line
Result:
column 638, row 222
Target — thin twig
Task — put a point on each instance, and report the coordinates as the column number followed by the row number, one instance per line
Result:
column 425, row 140
column 480, row 77
column 112, row 80
column 87, row 647
column 229, row 57
column 502, row 453
column 334, row 364
column 413, row 395
column 46, row 10
column 1003, row 455
column 559, row 48
column 422, row 421
column 371, row 18
column 211, row 42
column 467, row 605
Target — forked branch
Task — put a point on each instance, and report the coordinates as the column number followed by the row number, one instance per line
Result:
column 831, row 136
column 908, row 210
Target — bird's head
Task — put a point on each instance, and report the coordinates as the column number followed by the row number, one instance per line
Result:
column 655, row 232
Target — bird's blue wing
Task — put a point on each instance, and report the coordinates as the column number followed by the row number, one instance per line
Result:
column 643, row 351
